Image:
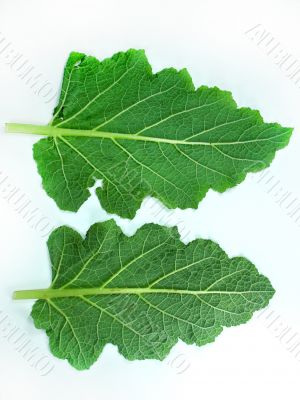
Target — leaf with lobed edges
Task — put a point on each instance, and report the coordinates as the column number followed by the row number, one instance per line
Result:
column 147, row 134
column 141, row 293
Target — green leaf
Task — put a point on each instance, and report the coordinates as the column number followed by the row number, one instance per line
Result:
column 140, row 293
column 146, row 134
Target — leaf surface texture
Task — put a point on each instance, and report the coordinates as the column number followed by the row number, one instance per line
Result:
column 147, row 134
column 141, row 293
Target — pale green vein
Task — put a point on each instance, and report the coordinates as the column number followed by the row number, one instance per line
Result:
column 86, row 264
column 132, row 106
column 114, row 276
column 51, row 131
column 74, row 292
column 96, row 97
column 198, row 262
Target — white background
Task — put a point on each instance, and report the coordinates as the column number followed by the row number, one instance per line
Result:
column 207, row 37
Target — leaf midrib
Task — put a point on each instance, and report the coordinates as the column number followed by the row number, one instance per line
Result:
column 78, row 292
column 51, row 131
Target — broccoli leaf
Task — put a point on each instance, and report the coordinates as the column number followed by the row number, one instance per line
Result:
column 140, row 293
column 146, row 134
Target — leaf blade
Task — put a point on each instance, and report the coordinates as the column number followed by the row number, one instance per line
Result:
column 158, row 136
column 142, row 293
